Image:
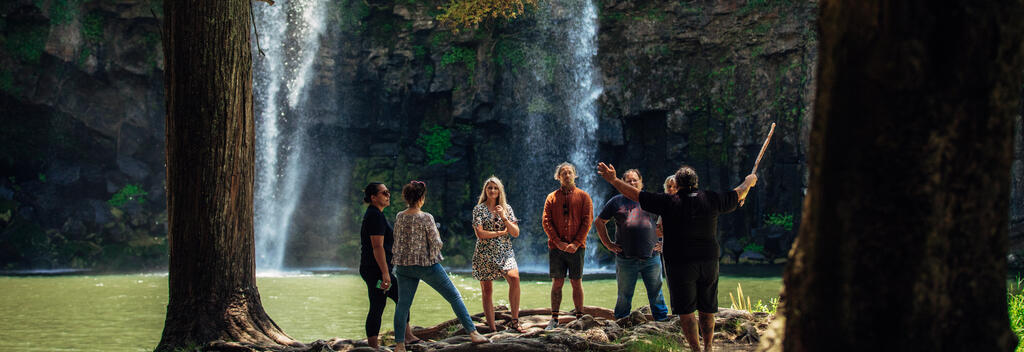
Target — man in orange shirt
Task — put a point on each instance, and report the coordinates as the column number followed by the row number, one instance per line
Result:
column 568, row 212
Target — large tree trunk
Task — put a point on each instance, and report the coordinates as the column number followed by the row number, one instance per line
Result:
column 904, row 236
column 210, row 158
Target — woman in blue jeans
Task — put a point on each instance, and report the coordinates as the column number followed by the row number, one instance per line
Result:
column 417, row 256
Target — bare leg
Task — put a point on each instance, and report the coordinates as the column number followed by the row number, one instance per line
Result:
column 487, row 291
column 707, row 329
column 556, row 301
column 512, row 277
column 556, row 294
column 577, row 294
column 688, row 322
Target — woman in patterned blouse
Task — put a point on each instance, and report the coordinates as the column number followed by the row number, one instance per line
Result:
column 495, row 226
column 417, row 256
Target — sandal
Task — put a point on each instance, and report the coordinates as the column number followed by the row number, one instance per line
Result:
column 513, row 324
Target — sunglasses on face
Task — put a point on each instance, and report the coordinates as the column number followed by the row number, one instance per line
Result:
column 565, row 208
column 385, row 192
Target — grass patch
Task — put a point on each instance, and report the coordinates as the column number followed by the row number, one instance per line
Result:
column 1015, row 304
column 654, row 343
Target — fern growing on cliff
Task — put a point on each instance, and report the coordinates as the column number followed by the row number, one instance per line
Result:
column 436, row 140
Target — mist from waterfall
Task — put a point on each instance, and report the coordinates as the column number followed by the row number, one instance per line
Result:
column 289, row 34
column 561, row 89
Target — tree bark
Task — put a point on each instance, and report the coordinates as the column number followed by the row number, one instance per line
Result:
column 904, row 236
column 210, row 158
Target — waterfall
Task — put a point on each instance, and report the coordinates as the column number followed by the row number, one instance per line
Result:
column 290, row 33
column 559, row 95
column 581, row 105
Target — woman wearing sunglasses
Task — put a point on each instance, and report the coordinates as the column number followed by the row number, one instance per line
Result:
column 376, row 238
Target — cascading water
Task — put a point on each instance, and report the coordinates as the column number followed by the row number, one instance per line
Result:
column 559, row 94
column 582, row 35
column 290, row 35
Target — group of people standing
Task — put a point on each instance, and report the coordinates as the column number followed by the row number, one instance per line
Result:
column 682, row 221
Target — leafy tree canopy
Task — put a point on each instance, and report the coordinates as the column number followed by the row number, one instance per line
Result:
column 463, row 14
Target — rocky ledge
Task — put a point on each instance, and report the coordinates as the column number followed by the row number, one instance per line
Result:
column 597, row 330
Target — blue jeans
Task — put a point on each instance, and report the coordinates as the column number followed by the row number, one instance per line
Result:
column 626, row 271
column 409, row 277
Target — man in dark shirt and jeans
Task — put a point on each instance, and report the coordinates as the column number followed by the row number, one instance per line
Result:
column 634, row 248
column 690, row 221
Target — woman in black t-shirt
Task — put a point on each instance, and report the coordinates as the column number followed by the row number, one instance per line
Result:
column 376, row 238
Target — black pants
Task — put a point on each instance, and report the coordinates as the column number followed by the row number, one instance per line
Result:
column 378, row 297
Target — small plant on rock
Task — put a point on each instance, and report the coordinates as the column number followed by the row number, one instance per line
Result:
column 127, row 193
column 783, row 220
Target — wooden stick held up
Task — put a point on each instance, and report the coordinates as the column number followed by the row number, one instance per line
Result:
column 763, row 147
column 757, row 162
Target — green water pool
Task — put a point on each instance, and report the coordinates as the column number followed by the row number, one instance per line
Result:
column 126, row 312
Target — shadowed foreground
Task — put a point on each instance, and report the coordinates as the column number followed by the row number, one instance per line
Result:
column 735, row 330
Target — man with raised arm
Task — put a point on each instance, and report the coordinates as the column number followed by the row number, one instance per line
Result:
column 568, row 212
column 635, row 249
column 690, row 219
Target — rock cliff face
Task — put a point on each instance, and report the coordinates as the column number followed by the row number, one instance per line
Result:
column 395, row 97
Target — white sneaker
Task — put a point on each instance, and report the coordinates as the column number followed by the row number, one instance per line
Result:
column 552, row 324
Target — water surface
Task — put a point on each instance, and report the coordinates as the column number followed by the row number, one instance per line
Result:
column 126, row 312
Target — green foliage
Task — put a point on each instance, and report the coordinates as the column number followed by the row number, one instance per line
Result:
column 436, row 140
column 351, row 14
column 652, row 14
column 157, row 6
column 783, row 220
column 461, row 55
column 63, row 11
column 612, row 16
column 7, row 209
column 27, row 43
column 508, row 52
column 42, row 177
column 688, row 7
column 771, row 307
column 753, row 247
column 92, row 28
column 429, row 70
column 761, row 28
column 83, row 56
column 438, row 38
column 419, row 52
column 128, row 192
column 464, row 56
column 7, row 82
column 763, row 6
column 1015, row 305
column 757, row 51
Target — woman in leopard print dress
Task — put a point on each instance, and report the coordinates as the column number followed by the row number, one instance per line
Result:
column 495, row 226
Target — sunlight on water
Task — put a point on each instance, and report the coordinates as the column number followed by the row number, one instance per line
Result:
column 126, row 312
